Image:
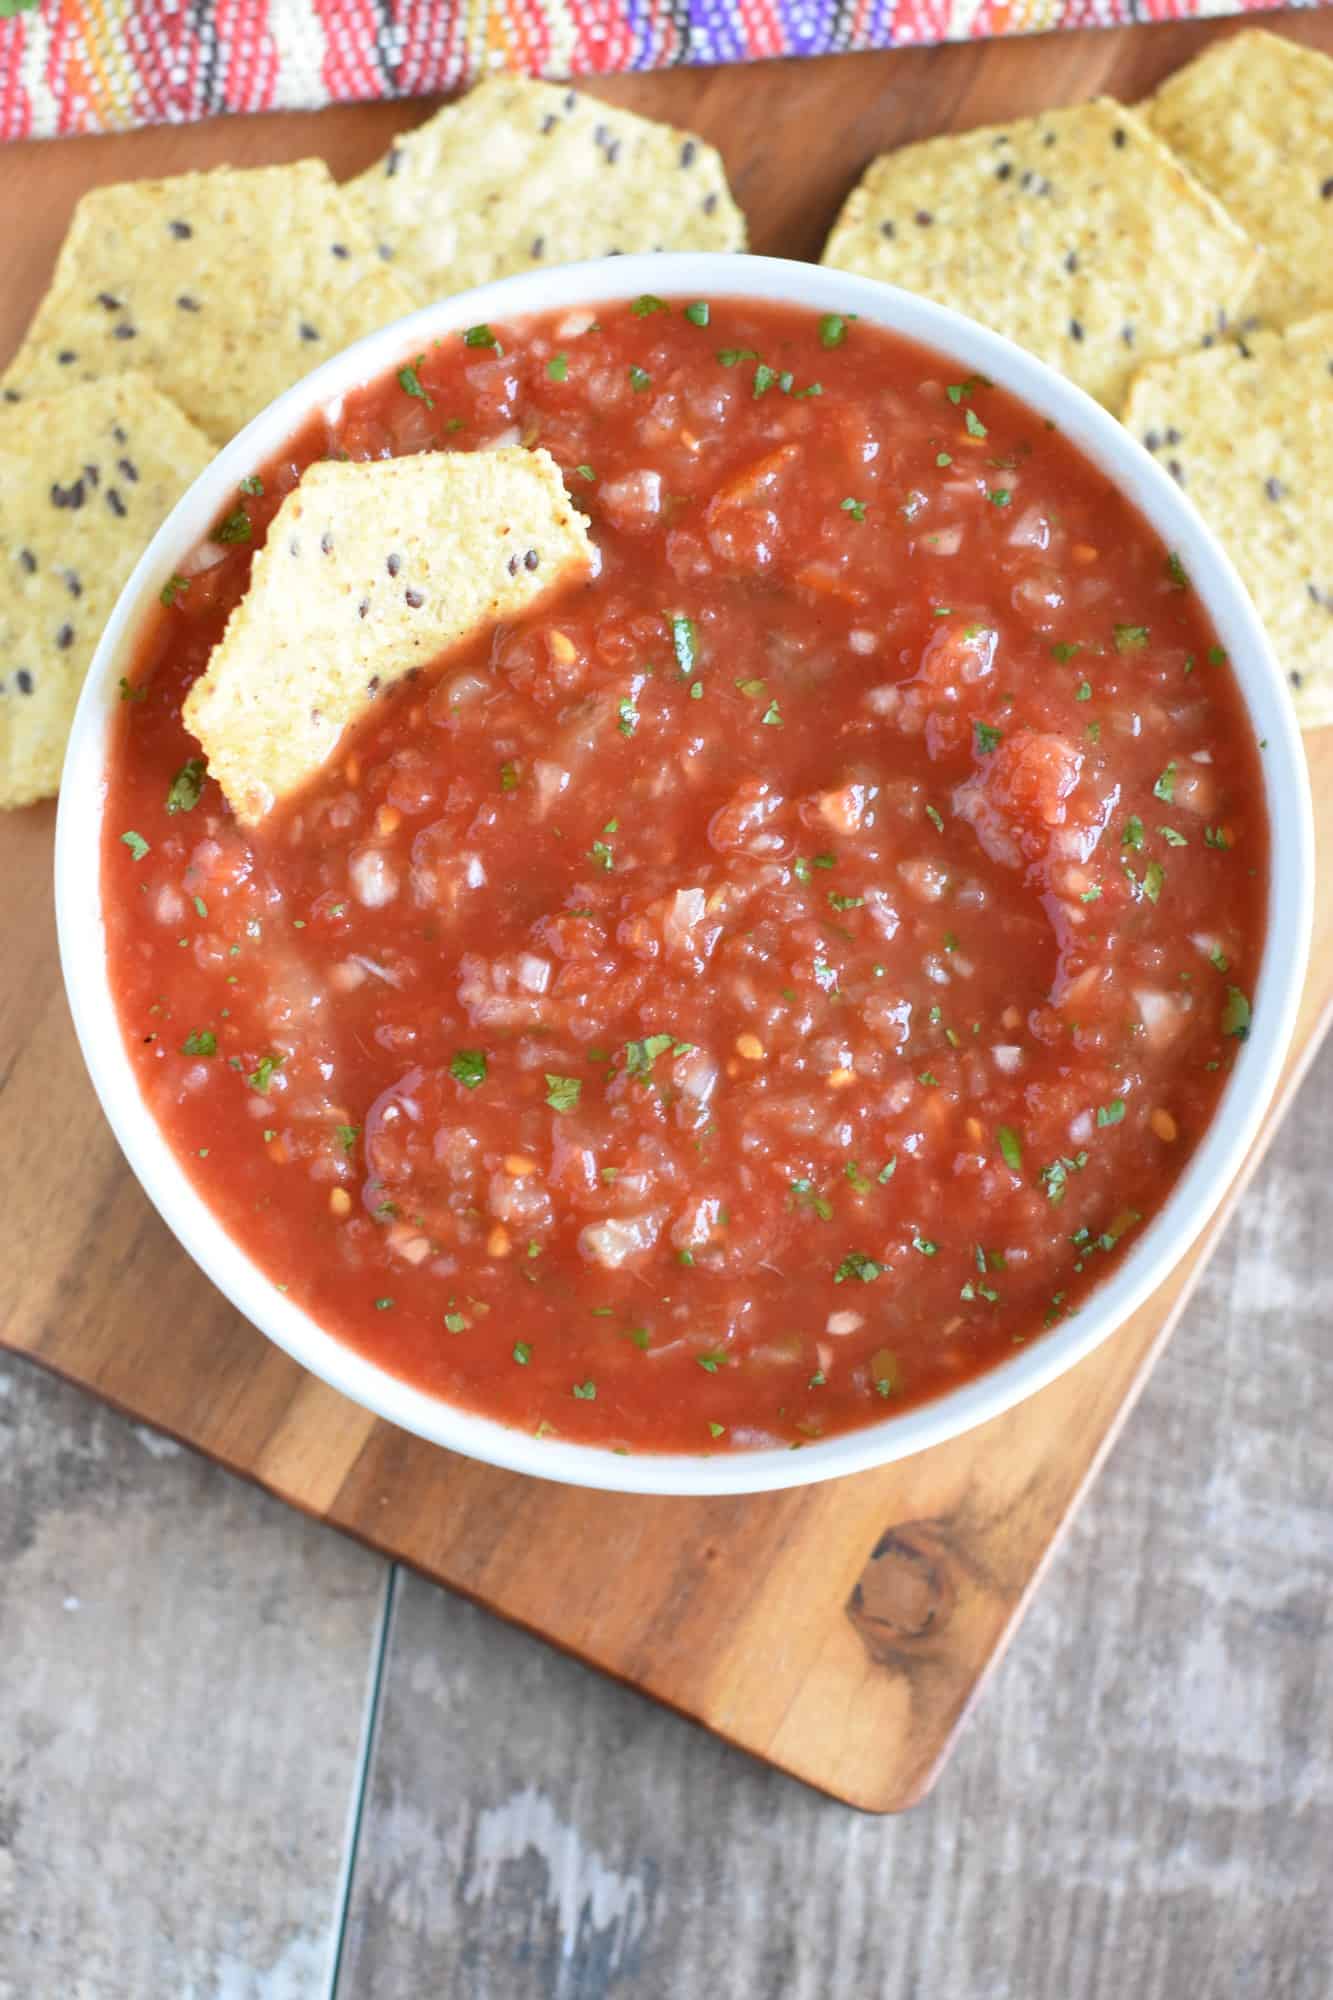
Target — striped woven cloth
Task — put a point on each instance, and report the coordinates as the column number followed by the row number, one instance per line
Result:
column 103, row 65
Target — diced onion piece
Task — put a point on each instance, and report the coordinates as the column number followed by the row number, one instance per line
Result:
column 613, row 1242
column 373, row 877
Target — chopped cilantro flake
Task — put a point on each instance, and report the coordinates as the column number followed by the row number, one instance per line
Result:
column 975, row 427
column 647, row 303
column 987, row 739
column 639, row 378
column 562, row 1092
column 203, row 1042
column 183, row 793
column 262, row 1075
column 698, row 314
column 685, row 642
column 1130, row 638
column 1165, row 787
column 585, row 1392
column 1010, row 1147
column 174, row 587
column 557, row 368
column 857, row 1265
column 136, row 843
column 856, row 508
column 410, row 382
column 1112, row 1113
column 468, row 1067
column 481, row 336
column 1236, row 1014
column 832, row 330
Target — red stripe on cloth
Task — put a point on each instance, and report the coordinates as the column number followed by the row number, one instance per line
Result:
column 15, row 104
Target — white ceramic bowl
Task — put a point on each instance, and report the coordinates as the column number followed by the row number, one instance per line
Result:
column 1277, row 990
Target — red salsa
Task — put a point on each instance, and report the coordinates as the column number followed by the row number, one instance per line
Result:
column 758, row 989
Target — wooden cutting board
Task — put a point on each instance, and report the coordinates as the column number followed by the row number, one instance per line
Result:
column 841, row 1631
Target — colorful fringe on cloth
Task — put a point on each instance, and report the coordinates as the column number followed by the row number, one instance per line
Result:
column 71, row 66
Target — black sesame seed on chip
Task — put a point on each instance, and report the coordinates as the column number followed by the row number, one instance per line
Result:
column 413, row 599
column 115, row 503
column 308, row 332
column 1071, row 262
column 1172, row 434
column 688, row 153
column 393, row 160
column 549, row 123
column 363, row 608
column 512, row 565
column 531, row 559
column 24, row 680
column 1326, row 189
column 27, row 561
column 1119, row 137
column 394, row 564
column 72, row 583
column 326, row 543
column 180, row 230
column 709, row 203
column 129, row 468
column 538, row 247
column 613, row 152
column 1127, row 335
column 887, row 230
column 72, row 496
column 1152, row 440
column 91, row 474
column 65, row 356
column 1274, row 489
column 340, row 250
column 386, row 252
column 65, row 638
column 12, row 396
column 120, row 434
column 1003, row 171
column 1075, row 329
column 124, row 331
column 1177, row 470
column 110, row 301
column 923, row 218
column 187, row 304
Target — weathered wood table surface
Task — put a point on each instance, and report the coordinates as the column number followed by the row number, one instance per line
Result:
column 241, row 1757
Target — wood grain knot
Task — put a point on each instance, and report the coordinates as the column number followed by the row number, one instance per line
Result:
column 905, row 1595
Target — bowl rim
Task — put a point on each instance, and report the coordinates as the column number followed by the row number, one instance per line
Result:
column 1205, row 1178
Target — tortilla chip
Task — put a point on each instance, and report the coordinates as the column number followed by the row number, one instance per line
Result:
column 224, row 287
column 85, row 479
column 1253, row 118
column 371, row 571
column 1248, row 432
column 1076, row 233
column 517, row 175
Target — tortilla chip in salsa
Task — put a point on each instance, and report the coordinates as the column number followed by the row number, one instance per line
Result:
column 371, row 570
